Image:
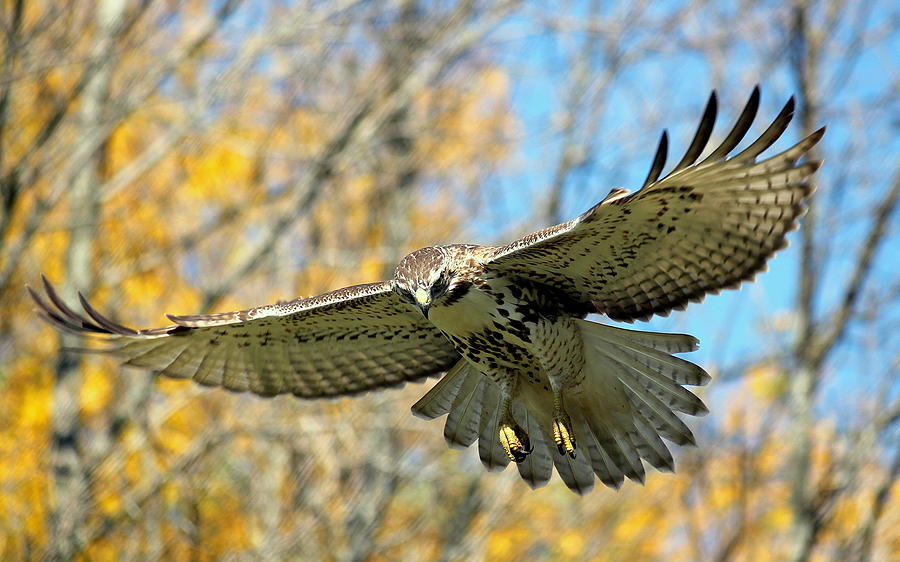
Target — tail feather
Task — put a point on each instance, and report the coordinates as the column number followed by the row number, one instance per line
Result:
column 537, row 467
column 656, row 412
column 491, row 453
column 669, row 366
column 577, row 472
column 670, row 343
column 464, row 419
column 663, row 387
column 604, row 467
column 439, row 399
column 672, row 394
column 607, row 441
column 630, row 451
column 653, row 450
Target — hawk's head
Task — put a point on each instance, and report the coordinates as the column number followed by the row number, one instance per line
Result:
column 435, row 276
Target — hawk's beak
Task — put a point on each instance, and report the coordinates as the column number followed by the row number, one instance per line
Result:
column 423, row 299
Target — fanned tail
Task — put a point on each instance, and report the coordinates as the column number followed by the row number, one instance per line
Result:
column 625, row 406
column 632, row 388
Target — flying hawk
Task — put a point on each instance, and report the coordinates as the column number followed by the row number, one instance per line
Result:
column 523, row 372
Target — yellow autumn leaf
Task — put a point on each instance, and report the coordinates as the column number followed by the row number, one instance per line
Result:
column 222, row 173
column 34, row 401
column 96, row 387
column 505, row 544
column 571, row 544
column 779, row 517
column 766, row 382
column 634, row 523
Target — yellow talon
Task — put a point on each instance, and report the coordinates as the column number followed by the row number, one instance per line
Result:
column 563, row 435
column 515, row 442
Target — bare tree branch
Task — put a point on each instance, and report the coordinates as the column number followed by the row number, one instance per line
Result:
column 69, row 463
column 77, row 157
column 863, row 542
column 882, row 215
column 365, row 121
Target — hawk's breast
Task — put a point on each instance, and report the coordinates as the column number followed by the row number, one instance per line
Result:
column 492, row 327
column 472, row 313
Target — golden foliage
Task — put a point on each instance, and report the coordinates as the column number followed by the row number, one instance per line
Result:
column 767, row 382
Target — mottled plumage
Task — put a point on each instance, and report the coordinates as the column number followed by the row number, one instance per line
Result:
column 524, row 373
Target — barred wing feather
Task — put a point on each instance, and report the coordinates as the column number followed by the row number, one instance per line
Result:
column 344, row 342
column 704, row 227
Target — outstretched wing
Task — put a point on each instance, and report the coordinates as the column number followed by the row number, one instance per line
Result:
column 339, row 343
column 704, row 227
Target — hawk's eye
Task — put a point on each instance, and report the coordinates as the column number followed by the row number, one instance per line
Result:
column 440, row 286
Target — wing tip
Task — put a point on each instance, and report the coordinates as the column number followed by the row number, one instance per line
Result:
column 790, row 106
column 54, row 310
column 102, row 320
column 58, row 314
column 817, row 135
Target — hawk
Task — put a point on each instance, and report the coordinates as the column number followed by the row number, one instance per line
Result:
column 524, row 373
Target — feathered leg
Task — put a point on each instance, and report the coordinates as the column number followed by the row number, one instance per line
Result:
column 562, row 358
column 513, row 438
column 563, row 434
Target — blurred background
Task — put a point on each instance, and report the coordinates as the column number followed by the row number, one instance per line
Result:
column 208, row 155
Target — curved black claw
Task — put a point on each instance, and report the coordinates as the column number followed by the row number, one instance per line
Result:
column 523, row 438
column 515, row 442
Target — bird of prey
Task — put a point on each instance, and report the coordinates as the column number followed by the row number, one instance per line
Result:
column 524, row 373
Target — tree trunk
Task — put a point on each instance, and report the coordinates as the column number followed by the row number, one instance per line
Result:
column 70, row 482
